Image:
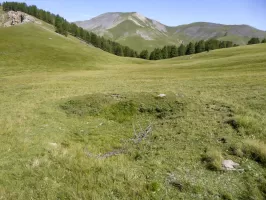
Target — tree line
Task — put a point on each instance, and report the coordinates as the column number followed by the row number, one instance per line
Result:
column 256, row 41
column 62, row 26
column 192, row 48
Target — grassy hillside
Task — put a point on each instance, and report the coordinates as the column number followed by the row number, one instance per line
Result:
column 41, row 49
column 66, row 107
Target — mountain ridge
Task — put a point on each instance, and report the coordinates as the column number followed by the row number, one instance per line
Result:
column 149, row 33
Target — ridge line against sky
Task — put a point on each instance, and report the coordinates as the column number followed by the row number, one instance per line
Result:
column 168, row 12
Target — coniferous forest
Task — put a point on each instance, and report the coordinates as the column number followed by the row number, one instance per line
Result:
column 62, row 26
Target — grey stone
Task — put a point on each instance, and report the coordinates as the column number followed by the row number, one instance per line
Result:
column 229, row 165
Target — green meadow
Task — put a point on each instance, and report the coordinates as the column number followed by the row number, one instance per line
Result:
column 79, row 123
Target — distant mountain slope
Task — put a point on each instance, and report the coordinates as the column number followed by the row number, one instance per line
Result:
column 139, row 32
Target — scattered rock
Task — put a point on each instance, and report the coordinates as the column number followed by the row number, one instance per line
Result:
column 162, row 95
column 180, row 95
column 229, row 165
column 118, row 96
column 222, row 140
column 35, row 163
column 53, row 144
column 50, row 38
column 115, row 95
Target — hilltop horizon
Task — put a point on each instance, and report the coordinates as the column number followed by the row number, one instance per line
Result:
column 168, row 12
column 140, row 32
column 194, row 22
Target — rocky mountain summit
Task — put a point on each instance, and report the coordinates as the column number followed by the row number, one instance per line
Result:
column 140, row 32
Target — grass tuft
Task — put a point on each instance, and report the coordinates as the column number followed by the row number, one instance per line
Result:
column 253, row 149
column 213, row 160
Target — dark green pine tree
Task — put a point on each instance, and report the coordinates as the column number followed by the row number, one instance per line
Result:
column 254, row 41
column 222, row 44
column 119, row 51
column 157, row 54
column 144, row 54
column 181, row 50
column 200, row 46
column 94, row 39
column 88, row 37
column 103, row 45
column 82, row 33
column 190, row 49
column 264, row 40
column 126, row 51
column 132, row 53
column 32, row 10
column 108, row 47
column 212, row 44
column 58, row 24
column 77, row 32
column 136, row 55
column 65, row 28
column 152, row 55
column 169, row 48
column 165, row 53
column 173, row 52
column 229, row 44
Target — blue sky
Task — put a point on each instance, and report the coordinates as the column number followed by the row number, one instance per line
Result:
column 169, row 12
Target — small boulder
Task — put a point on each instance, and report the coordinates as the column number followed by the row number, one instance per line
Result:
column 162, row 95
column 52, row 144
column 229, row 165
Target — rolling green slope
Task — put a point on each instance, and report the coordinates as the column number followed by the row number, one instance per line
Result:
column 36, row 47
column 70, row 115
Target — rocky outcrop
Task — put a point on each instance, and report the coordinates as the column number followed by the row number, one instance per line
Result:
column 17, row 17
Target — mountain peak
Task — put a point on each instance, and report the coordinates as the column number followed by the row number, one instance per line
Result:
column 139, row 32
column 140, row 16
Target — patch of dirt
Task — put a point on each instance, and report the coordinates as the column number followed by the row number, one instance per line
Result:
column 233, row 123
